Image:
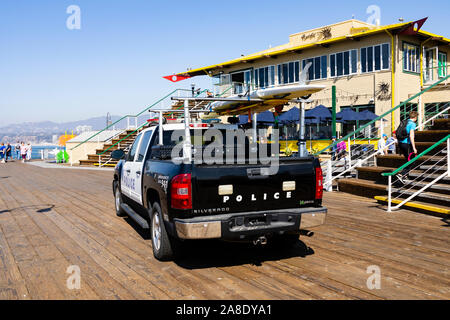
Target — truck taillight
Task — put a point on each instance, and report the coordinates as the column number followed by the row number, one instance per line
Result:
column 181, row 192
column 319, row 183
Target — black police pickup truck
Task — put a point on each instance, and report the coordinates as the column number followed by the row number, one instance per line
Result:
column 235, row 202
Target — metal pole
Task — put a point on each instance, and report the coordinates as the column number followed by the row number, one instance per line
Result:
column 187, row 154
column 160, row 142
column 421, row 113
column 333, row 106
column 255, row 128
column 389, row 193
column 310, row 139
column 302, row 142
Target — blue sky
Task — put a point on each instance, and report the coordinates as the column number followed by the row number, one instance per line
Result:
column 115, row 63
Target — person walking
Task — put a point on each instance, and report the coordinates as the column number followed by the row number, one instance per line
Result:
column 407, row 144
column 23, row 151
column 18, row 150
column 29, row 152
column 2, row 152
column 8, row 152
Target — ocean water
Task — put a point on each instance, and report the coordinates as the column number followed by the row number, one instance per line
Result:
column 36, row 151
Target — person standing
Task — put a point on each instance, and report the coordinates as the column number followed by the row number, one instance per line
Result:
column 18, row 150
column 8, row 152
column 392, row 143
column 333, row 148
column 23, row 151
column 407, row 145
column 2, row 152
column 382, row 150
column 29, row 152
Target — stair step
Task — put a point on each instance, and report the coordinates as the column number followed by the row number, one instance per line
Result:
column 397, row 160
column 429, row 177
column 374, row 174
column 440, row 167
column 437, row 188
column 426, row 196
column 431, row 135
column 441, row 124
column 420, row 206
column 360, row 187
column 422, row 146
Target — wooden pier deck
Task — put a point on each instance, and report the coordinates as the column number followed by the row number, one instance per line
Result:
column 51, row 219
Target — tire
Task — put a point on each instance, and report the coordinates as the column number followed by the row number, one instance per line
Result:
column 118, row 201
column 163, row 245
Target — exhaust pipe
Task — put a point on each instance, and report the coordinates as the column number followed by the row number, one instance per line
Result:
column 260, row 241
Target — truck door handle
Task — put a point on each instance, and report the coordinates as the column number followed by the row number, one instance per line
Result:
column 128, row 171
column 138, row 173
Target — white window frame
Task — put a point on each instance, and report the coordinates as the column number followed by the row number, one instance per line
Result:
column 408, row 58
column 373, row 58
column 351, row 73
column 313, row 67
column 279, row 81
column 269, row 74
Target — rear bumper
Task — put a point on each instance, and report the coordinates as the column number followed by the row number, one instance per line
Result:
column 243, row 226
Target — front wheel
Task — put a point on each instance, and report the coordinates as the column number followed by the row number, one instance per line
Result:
column 163, row 245
column 118, row 201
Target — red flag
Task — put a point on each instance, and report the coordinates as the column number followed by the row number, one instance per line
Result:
column 414, row 27
column 176, row 78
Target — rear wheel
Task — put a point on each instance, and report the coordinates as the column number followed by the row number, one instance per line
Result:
column 118, row 201
column 163, row 245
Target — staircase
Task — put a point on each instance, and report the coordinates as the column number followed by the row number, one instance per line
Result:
column 122, row 141
column 370, row 183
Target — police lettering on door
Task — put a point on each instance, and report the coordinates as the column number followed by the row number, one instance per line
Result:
column 128, row 182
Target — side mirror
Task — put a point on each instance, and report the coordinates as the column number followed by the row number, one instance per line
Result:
column 118, row 154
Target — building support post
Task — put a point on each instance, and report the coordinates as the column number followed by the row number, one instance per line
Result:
column 255, row 128
column 420, row 107
column 302, row 151
column 333, row 113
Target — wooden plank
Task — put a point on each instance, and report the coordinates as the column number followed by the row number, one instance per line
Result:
column 81, row 229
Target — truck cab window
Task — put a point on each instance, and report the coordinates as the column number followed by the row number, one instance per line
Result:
column 144, row 144
column 133, row 149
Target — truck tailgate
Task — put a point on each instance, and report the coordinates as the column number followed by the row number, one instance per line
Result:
column 234, row 188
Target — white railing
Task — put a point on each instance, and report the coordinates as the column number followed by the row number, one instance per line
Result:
column 334, row 170
column 357, row 154
column 428, row 109
column 440, row 163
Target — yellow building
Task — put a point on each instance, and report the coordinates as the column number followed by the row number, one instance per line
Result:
column 373, row 68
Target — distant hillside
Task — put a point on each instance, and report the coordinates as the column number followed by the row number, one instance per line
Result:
column 30, row 128
column 43, row 131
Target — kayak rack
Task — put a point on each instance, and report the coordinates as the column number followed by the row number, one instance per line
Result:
column 186, row 112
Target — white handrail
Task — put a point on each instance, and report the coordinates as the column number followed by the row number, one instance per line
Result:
column 420, row 127
column 358, row 164
column 415, row 194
